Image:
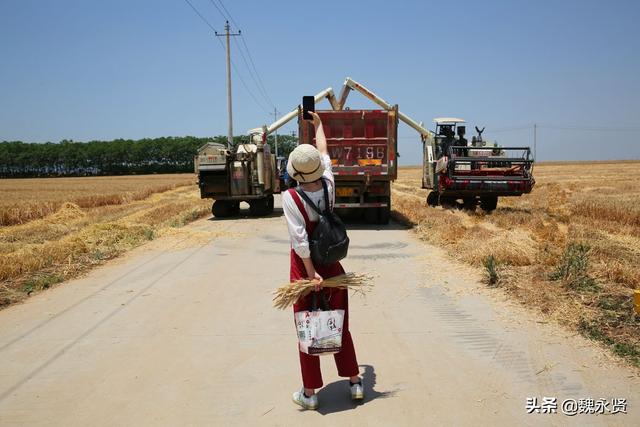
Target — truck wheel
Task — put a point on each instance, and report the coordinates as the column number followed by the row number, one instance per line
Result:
column 371, row 215
column 224, row 208
column 469, row 203
column 432, row 199
column 488, row 203
column 384, row 213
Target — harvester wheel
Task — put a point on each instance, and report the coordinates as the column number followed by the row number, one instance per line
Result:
column 489, row 203
column 447, row 202
column 225, row 208
column 432, row 199
column 469, row 203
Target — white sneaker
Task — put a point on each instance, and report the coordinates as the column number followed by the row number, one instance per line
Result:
column 304, row 401
column 357, row 392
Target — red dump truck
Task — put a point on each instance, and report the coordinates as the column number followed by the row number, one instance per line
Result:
column 363, row 146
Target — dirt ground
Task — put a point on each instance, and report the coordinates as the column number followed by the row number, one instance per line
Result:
column 181, row 331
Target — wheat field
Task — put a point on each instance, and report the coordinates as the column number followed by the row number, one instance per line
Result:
column 571, row 247
column 61, row 227
column 23, row 200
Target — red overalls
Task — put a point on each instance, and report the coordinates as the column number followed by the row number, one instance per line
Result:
column 338, row 299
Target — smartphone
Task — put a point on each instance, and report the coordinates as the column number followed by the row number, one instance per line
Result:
column 308, row 104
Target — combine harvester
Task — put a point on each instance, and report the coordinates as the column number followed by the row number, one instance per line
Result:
column 363, row 146
column 474, row 173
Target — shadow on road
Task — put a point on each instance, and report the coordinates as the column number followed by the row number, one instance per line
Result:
column 244, row 214
column 351, row 224
column 362, row 225
column 335, row 396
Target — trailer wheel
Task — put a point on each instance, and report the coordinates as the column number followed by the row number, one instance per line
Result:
column 235, row 208
column 225, row 208
column 384, row 212
column 432, row 199
column 488, row 203
column 261, row 207
column 269, row 204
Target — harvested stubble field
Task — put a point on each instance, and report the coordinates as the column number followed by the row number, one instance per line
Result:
column 571, row 248
column 23, row 200
column 63, row 226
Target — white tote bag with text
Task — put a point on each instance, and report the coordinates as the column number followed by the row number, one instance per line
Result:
column 320, row 332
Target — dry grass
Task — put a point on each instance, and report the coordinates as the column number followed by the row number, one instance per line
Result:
column 570, row 248
column 286, row 295
column 74, row 237
column 23, row 200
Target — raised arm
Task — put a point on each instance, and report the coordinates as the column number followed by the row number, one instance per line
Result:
column 321, row 140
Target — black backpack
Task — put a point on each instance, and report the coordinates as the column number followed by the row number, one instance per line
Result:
column 329, row 242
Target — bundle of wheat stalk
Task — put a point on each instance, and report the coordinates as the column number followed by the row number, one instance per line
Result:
column 287, row 295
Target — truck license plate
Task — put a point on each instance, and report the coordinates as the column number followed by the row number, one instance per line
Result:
column 345, row 191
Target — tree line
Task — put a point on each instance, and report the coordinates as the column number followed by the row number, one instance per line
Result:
column 117, row 157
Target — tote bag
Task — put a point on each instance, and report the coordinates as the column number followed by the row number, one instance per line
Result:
column 319, row 331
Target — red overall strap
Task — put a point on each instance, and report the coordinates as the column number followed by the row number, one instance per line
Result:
column 298, row 201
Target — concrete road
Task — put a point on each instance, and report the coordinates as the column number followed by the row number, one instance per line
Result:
column 182, row 332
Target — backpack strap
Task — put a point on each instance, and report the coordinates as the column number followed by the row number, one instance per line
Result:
column 298, row 202
column 327, row 207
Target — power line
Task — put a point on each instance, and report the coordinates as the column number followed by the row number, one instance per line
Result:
column 244, row 58
column 590, row 128
column 200, row 15
column 256, row 70
column 235, row 69
column 230, row 17
column 257, row 79
column 574, row 127
column 223, row 15
column 511, row 128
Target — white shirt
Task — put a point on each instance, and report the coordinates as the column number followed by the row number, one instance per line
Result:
column 295, row 220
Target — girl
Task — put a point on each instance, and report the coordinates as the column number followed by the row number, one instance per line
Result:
column 308, row 165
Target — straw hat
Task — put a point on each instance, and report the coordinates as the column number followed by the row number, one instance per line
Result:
column 305, row 164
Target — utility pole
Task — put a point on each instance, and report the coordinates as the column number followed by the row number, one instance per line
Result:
column 535, row 141
column 228, row 34
column 275, row 117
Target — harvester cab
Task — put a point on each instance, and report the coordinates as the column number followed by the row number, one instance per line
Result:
column 445, row 136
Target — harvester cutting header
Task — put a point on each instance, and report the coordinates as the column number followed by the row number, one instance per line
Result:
column 363, row 146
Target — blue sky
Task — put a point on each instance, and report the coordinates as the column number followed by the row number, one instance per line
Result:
column 89, row 69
